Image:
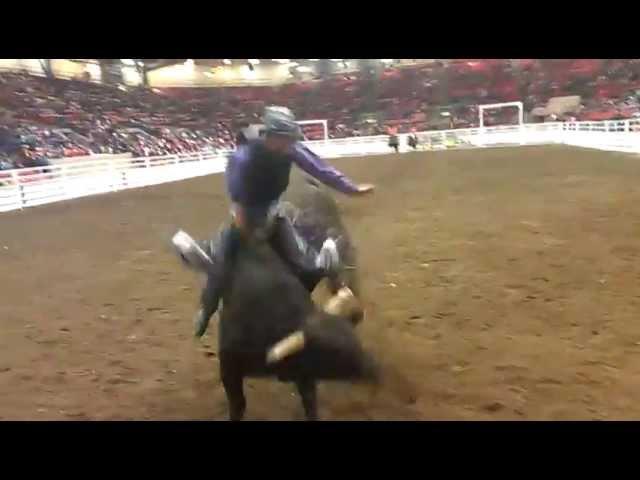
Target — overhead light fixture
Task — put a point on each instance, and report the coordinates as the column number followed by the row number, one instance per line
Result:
column 313, row 59
column 304, row 69
column 254, row 61
column 336, row 59
column 280, row 60
column 386, row 60
column 128, row 61
column 189, row 62
column 226, row 61
column 140, row 64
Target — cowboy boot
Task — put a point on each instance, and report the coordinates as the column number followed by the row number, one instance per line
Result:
column 194, row 255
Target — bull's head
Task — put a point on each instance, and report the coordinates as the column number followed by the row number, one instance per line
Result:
column 343, row 304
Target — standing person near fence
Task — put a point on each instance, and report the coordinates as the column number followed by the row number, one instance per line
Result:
column 393, row 138
column 412, row 139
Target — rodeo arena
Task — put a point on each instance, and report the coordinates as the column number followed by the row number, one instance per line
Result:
column 334, row 239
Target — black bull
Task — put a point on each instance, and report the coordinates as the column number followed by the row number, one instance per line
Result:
column 264, row 303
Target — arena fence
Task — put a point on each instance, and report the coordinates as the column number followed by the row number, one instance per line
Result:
column 29, row 187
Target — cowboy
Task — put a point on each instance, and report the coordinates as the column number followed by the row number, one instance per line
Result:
column 257, row 175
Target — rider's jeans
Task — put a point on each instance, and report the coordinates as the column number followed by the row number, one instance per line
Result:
column 285, row 240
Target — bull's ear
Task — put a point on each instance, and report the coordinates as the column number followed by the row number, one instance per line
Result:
column 286, row 347
column 343, row 303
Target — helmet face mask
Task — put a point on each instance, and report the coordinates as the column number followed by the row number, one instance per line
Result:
column 279, row 142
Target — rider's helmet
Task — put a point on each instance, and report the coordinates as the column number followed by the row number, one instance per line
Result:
column 281, row 121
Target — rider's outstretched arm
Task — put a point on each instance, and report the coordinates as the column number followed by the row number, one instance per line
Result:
column 324, row 172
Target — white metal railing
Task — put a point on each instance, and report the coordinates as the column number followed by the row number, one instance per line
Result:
column 40, row 185
column 611, row 135
column 29, row 187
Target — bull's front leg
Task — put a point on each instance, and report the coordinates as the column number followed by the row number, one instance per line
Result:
column 308, row 390
column 232, row 381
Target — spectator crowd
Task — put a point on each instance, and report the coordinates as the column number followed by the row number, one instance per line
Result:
column 43, row 118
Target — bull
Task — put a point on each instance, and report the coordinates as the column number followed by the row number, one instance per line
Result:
column 270, row 327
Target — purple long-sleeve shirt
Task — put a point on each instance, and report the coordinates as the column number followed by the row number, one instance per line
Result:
column 255, row 176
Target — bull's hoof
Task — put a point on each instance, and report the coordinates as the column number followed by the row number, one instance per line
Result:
column 236, row 415
column 236, row 412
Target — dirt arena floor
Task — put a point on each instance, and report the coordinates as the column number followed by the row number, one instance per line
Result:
column 499, row 284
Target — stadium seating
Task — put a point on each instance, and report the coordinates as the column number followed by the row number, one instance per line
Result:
column 56, row 118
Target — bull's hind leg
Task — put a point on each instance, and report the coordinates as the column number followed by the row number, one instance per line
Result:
column 232, row 381
column 308, row 391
